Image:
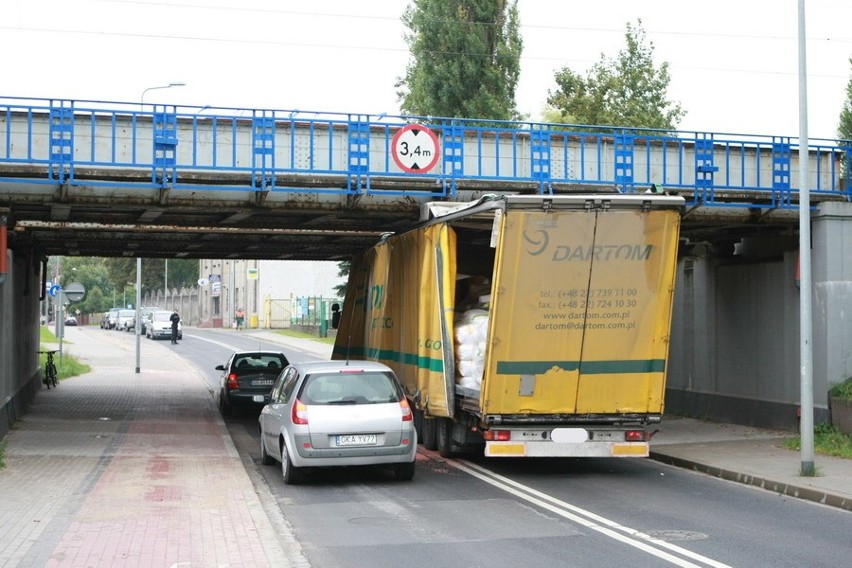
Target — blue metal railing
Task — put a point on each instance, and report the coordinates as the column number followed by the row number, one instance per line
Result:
column 187, row 147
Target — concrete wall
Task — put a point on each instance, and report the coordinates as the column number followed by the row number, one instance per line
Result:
column 19, row 339
column 184, row 300
column 735, row 347
column 832, row 305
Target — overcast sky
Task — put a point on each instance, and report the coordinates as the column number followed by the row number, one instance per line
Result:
column 734, row 63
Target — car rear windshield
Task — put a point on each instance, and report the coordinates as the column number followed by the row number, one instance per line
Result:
column 350, row 388
column 259, row 362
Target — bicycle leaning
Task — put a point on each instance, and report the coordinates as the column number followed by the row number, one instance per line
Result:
column 50, row 374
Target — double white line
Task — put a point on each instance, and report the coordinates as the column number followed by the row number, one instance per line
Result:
column 631, row 537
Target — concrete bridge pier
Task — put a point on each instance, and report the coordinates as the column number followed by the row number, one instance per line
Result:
column 832, row 303
column 735, row 347
column 19, row 337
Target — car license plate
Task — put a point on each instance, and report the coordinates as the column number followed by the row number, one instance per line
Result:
column 262, row 383
column 356, row 440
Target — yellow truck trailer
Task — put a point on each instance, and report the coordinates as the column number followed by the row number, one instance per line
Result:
column 531, row 325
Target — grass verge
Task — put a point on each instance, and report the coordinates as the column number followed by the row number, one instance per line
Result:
column 2, row 454
column 69, row 366
column 46, row 336
column 303, row 335
column 828, row 441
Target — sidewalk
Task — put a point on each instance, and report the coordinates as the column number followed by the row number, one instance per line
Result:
column 752, row 456
column 116, row 468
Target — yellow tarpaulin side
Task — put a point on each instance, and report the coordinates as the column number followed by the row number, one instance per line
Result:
column 532, row 330
column 627, row 341
column 406, row 307
column 590, row 335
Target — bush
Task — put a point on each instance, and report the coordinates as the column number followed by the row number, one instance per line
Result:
column 842, row 390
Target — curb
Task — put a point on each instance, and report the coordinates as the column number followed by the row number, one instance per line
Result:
column 779, row 487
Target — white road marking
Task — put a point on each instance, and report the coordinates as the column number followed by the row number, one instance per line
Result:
column 219, row 343
column 631, row 537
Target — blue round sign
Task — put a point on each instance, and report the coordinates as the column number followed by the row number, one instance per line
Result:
column 54, row 290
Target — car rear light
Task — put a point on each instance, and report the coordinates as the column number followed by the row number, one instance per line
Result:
column 233, row 382
column 497, row 435
column 407, row 416
column 634, row 436
column 300, row 413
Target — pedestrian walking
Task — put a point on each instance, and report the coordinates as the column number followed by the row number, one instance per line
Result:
column 240, row 317
column 175, row 319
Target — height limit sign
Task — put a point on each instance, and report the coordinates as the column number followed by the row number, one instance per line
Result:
column 415, row 149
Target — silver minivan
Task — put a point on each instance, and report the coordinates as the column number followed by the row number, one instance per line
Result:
column 337, row 413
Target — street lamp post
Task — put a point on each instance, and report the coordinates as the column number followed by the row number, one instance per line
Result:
column 142, row 101
column 169, row 86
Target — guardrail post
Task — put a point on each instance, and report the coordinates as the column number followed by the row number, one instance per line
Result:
column 781, row 156
column 358, row 136
column 705, row 168
column 847, row 172
column 61, row 151
column 540, row 157
column 165, row 140
column 624, row 148
column 262, row 151
column 453, row 150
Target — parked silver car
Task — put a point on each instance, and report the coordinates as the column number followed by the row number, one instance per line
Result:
column 124, row 321
column 337, row 413
column 112, row 318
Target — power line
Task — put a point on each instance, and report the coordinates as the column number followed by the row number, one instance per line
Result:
column 397, row 19
column 561, row 61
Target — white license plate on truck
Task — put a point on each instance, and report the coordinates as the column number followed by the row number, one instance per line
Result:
column 356, row 440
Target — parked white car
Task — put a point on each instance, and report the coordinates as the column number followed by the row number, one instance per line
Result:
column 159, row 325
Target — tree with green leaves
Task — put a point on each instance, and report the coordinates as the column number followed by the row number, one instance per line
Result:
column 844, row 127
column 182, row 272
column 628, row 91
column 110, row 281
column 465, row 59
column 343, row 268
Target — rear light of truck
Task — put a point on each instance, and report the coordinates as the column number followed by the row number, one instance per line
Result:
column 634, row 436
column 407, row 416
column 497, row 435
column 233, row 382
column 300, row 413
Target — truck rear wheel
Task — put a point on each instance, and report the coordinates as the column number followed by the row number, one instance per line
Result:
column 418, row 423
column 444, row 429
column 430, row 434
